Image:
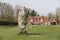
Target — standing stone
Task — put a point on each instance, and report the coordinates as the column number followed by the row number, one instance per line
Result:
column 21, row 20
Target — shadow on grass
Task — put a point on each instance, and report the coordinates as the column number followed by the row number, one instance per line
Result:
column 29, row 34
column 33, row 34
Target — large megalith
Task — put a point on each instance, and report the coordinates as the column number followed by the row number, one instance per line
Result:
column 21, row 20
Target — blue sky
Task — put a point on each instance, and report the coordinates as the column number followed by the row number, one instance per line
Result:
column 43, row 7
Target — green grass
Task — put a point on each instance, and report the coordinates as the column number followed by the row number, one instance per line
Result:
column 46, row 33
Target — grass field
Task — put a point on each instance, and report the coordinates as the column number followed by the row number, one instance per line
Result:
column 34, row 33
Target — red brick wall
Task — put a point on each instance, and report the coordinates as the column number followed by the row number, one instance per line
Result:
column 39, row 19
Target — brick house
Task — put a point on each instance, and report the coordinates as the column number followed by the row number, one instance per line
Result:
column 41, row 20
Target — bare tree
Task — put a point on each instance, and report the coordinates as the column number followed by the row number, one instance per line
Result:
column 6, row 11
column 51, row 16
